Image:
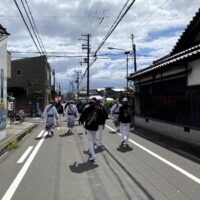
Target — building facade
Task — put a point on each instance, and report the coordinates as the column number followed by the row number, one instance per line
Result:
column 3, row 80
column 167, row 93
column 30, row 83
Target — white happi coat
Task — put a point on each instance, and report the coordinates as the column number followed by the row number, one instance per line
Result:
column 50, row 115
column 71, row 113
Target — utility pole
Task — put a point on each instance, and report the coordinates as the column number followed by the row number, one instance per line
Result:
column 134, row 53
column 87, row 47
column 54, row 84
column 72, row 86
column 77, row 82
column 59, row 89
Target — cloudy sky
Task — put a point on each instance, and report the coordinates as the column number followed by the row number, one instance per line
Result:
column 155, row 24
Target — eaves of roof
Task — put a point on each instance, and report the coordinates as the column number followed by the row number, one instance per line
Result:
column 192, row 27
column 3, row 31
column 169, row 61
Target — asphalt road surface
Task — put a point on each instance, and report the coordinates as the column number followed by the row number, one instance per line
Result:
column 57, row 168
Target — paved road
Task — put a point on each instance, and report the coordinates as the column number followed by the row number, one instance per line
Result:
column 56, row 168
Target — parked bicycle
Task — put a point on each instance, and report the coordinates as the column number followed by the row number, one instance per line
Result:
column 19, row 116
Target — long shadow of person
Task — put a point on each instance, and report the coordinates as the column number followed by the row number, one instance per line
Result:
column 66, row 134
column 112, row 132
column 99, row 149
column 124, row 149
column 82, row 167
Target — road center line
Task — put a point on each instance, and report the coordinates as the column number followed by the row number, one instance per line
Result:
column 11, row 190
column 179, row 169
column 23, row 157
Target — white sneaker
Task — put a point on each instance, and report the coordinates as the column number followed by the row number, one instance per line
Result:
column 91, row 159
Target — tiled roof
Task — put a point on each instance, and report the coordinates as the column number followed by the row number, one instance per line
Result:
column 3, row 31
column 170, row 60
column 185, row 37
column 177, row 53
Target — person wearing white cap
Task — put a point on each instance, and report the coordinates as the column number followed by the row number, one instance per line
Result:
column 125, row 114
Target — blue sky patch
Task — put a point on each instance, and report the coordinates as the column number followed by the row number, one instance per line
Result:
column 171, row 31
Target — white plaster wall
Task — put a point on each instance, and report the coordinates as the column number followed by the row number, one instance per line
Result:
column 194, row 76
column 174, row 131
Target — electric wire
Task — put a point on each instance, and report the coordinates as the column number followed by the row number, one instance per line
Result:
column 27, row 26
column 116, row 22
column 147, row 20
column 33, row 29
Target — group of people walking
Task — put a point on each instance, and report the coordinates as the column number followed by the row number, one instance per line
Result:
column 92, row 116
column 54, row 113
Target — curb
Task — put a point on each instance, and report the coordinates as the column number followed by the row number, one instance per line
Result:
column 18, row 137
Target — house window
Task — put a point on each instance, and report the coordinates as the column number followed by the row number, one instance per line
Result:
column 19, row 72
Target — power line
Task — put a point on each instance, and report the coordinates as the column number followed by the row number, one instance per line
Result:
column 147, row 20
column 35, row 26
column 33, row 29
column 116, row 22
column 27, row 26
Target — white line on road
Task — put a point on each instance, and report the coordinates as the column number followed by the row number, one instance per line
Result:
column 186, row 173
column 11, row 190
column 40, row 134
column 23, row 157
column 3, row 155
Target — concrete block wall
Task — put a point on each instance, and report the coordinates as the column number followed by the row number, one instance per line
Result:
column 188, row 135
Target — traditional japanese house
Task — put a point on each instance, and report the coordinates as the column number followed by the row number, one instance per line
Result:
column 167, row 93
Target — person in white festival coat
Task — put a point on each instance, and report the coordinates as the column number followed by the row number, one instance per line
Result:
column 71, row 114
column 51, row 117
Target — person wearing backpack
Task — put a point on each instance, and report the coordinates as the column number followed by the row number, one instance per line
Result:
column 89, row 118
column 50, row 115
column 125, row 114
column 71, row 114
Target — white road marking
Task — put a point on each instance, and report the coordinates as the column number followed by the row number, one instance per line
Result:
column 3, row 155
column 11, row 190
column 179, row 169
column 40, row 134
column 23, row 157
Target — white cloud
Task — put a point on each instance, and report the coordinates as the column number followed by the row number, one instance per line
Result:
column 156, row 25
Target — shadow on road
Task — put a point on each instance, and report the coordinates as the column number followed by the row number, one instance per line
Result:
column 181, row 148
column 82, row 167
column 123, row 167
column 124, row 149
column 112, row 132
column 65, row 134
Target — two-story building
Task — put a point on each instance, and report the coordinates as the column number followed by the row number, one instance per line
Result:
column 30, row 83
